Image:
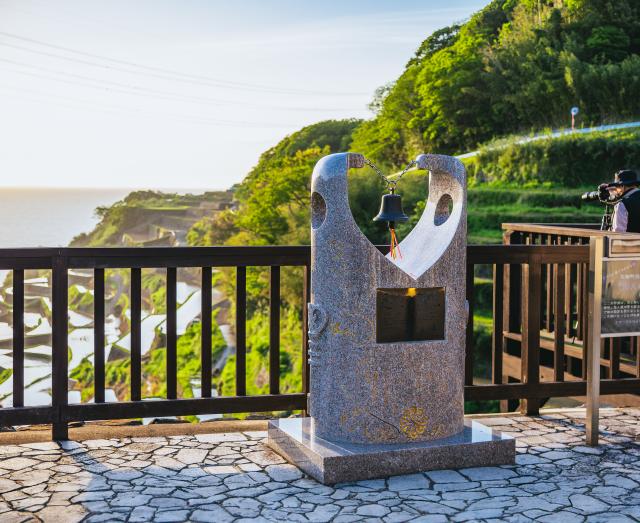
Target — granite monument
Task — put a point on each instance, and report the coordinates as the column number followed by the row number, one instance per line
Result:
column 387, row 340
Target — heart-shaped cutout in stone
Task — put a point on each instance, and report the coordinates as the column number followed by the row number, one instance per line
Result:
column 443, row 216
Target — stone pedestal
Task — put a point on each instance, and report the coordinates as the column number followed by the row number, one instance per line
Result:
column 328, row 462
column 387, row 339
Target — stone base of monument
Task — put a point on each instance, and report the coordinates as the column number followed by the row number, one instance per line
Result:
column 329, row 462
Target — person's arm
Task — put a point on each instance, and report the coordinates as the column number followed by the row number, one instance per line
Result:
column 620, row 218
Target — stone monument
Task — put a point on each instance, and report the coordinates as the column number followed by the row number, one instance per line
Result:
column 387, row 340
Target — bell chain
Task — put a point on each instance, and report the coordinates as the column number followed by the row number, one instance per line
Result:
column 391, row 184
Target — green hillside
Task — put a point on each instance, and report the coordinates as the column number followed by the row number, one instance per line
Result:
column 515, row 66
column 143, row 217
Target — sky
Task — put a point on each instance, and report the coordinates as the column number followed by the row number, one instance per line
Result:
column 186, row 94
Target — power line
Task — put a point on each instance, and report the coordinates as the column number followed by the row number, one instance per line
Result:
column 108, row 86
column 183, row 77
column 73, row 103
column 135, row 89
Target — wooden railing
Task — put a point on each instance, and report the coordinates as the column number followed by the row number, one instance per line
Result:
column 520, row 275
column 561, row 297
column 60, row 261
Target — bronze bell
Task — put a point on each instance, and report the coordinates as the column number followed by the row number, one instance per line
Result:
column 391, row 209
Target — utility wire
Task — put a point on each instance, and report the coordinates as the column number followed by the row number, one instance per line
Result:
column 182, row 77
column 73, row 103
column 109, row 86
column 137, row 90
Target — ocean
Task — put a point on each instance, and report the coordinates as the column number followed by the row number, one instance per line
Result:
column 50, row 217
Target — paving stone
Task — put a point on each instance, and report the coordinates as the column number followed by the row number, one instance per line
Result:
column 314, row 499
column 141, row 514
column 18, row 463
column 98, row 495
column 451, row 487
column 207, row 492
column 475, row 515
column 556, row 454
column 172, row 516
column 609, row 518
column 168, row 503
column 211, row 514
column 587, row 450
column 445, row 476
column 264, row 458
column 588, row 504
column 463, row 495
column 323, row 513
column 620, row 481
column 528, row 459
column 427, row 507
column 242, row 507
column 524, row 504
column 191, row 456
column 431, row 518
column 488, row 473
column 562, row 517
column 283, row 472
column 129, row 499
column 249, row 467
column 7, row 485
column 122, row 474
column 250, row 492
column 407, row 482
column 348, row 518
column 377, row 511
column 220, row 437
column 68, row 514
column 221, row 469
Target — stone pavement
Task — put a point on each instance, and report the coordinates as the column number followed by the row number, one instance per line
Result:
column 234, row 477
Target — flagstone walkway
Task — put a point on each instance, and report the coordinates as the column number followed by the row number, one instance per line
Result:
column 234, row 477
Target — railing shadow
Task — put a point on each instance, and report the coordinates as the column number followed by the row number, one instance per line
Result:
column 176, row 476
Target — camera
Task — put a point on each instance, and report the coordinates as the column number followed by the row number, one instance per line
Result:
column 601, row 195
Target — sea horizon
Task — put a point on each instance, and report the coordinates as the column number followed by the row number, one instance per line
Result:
column 53, row 216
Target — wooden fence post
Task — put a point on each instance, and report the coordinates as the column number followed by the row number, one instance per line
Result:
column 60, row 348
column 530, row 348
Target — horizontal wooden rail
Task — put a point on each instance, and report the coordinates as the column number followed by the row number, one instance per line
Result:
column 26, row 416
column 179, row 407
column 155, row 257
column 519, row 254
column 577, row 230
column 548, row 389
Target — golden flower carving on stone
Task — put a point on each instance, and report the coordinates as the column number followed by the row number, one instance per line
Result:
column 413, row 422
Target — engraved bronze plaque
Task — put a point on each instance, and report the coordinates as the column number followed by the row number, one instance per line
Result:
column 620, row 308
column 410, row 314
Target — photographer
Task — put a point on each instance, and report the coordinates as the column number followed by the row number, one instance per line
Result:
column 626, row 216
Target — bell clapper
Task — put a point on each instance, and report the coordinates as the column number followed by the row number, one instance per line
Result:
column 395, row 245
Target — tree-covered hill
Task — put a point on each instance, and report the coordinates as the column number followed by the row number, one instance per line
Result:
column 146, row 218
column 515, row 66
